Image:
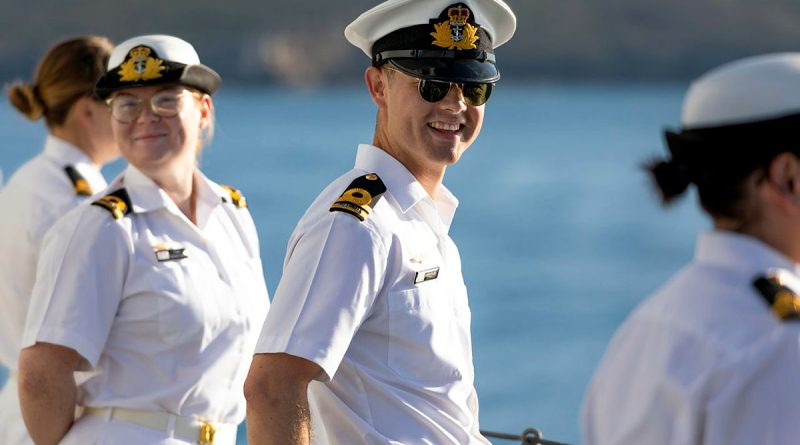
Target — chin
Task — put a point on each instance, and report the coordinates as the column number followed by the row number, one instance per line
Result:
column 450, row 157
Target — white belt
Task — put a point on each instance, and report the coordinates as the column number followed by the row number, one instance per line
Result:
column 204, row 433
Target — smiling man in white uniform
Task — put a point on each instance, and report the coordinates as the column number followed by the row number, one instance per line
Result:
column 368, row 338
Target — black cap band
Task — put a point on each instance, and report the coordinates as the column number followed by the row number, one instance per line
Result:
column 733, row 147
column 451, row 47
column 143, row 67
column 383, row 56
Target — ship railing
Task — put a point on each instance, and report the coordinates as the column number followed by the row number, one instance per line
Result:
column 530, row 436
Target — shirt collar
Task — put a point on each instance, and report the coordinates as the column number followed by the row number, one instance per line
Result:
column 146, row 195
column 64, row 152
column 402, row 185
column 209, row 196
column 740, row 252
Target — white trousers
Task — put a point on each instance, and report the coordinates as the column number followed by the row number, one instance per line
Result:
column 96, row 430
column 11, row 424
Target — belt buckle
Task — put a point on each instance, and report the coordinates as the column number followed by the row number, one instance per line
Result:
column 207, row 432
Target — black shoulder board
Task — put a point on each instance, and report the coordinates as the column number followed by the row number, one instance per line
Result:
column 236, row 196
column 360, row 197
column 80, row 183
column 118, row 203
column 783, row 301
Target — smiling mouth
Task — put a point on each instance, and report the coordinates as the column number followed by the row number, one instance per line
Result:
column 443, row 126
column 147, row 137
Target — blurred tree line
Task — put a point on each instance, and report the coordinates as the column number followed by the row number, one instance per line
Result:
column 300, row 42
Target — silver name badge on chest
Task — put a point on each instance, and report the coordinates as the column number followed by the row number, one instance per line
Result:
column 426, row 275
column 170, row 255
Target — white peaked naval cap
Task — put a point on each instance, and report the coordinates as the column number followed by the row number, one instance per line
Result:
column 748, row 90
column 436, row 39
column 168, row 47
column 155, row 60
column 495, row 16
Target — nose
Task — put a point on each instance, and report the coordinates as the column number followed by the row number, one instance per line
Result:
column 147, row 114
column 454, row 101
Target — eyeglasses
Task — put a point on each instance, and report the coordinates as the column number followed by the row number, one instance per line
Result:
column 126, row 108
column 475, row 94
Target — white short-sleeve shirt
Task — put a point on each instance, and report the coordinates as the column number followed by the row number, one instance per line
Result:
column 36, row 195
column 396, row 351
column 165, row 311
column 703, row 361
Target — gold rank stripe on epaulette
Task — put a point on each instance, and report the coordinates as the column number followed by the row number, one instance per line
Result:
column 236, row 196
column 360, row 197
column 118, row 203
column 79, row 183
column 783, row 301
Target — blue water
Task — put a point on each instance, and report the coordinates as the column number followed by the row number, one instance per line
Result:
column 559, row 231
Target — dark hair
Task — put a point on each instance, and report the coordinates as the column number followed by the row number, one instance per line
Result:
column 66, row 73
column 718, row 161
column 720, row 192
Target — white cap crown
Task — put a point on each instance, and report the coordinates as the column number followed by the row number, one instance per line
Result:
column 167, row 47
column 495, row 16
column 747, row 90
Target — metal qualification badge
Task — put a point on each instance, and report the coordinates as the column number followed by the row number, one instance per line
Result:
column 426, row 275
column 169, row 251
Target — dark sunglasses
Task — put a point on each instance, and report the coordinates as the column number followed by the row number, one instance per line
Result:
column 475, row 94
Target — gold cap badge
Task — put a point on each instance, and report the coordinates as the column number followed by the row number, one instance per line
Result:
column 140, row 66
column 456, row 33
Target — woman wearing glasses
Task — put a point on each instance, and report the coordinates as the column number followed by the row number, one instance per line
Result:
column 156, row 287
column 63, row 175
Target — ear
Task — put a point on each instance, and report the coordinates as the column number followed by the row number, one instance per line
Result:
column 784, row 172
column 377, row 84
column 206, row 110
column 82, row 110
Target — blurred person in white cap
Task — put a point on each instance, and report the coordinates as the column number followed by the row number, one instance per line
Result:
column 712, row 357
column 157, row 287
column 368, row 341
column 63, row 175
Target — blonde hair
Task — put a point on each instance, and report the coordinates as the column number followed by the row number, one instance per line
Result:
column 208, row 132
column 66, row 73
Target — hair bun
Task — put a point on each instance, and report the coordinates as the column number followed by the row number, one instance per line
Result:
column 26, row 99
column 670, row 177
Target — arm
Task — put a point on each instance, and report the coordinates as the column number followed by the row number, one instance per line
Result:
column 47, row 390
column 277, row 399
column 472, row 403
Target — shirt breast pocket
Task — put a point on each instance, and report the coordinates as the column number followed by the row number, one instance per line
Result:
column 180, row 312
column 424, row 344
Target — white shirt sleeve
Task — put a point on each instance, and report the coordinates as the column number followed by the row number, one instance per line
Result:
column 80, row 277
column 332, row 274
column 651, row 387
column 754, row 398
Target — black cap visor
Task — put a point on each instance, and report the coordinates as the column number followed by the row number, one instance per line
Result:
column 449, row 70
